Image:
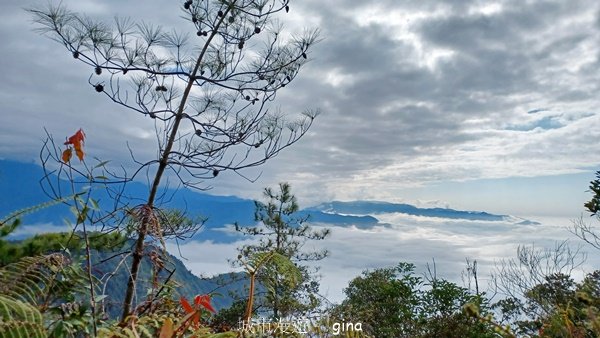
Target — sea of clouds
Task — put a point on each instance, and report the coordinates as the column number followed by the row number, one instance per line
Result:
column 434, row 244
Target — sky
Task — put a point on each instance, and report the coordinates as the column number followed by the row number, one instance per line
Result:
column 478, row 105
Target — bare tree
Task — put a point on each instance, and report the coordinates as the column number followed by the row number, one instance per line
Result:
column 209, row 92
column 470, row 274
column 587, row 231
column 515, row 277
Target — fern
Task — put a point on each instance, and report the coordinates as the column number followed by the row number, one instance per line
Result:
column 276, row 264
column 31, row 278
column 6, row 228
column 18, row 319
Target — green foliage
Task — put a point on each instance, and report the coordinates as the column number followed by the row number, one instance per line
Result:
column 557, row 307
column 383, row 300
column 593, row 205
column 393, row 302
column 229, row 318
column 442, row 315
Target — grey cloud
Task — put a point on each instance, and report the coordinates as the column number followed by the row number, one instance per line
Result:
column 389, row 111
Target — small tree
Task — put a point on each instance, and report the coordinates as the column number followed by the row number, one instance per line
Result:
column 208, row 95
column 281, row 231
column 393, row 302
column 385, row 301
column 588, row 231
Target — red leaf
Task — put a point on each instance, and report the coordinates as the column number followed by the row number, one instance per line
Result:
column 67, row 154
column 204, row 301
column 186, row 305
column 196, row 319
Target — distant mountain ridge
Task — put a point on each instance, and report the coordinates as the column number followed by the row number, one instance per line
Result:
column 377, row 207
column 21, row 181
column 20, row 187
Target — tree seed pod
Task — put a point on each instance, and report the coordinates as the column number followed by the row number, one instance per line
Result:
column 231, row 19
column 205, row 33
column 247, row 97
column 304, row 55
column 287, row 9
column 98, row 70
column 198, row 132
column 186, row 5
column 199, row 33
column 256, row 30
column 220, row 14
column 241, row 44
column 76, row 54
column 124, row 71
column 152, row 115
column 99, row 88
column 215, row 173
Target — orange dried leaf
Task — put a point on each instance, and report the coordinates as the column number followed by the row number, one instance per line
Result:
column 79, row 153
column 77, row 140
column 167, row 329
column 67, row 154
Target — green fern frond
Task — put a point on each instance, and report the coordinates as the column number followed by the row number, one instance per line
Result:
column 31, row 209
column 18, row 319
column 259, row 259
column 30, row 278
column 278, row 264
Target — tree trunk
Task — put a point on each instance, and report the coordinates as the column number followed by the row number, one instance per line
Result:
column 138, row 253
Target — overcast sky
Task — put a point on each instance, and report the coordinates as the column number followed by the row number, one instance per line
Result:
column 483, row 105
